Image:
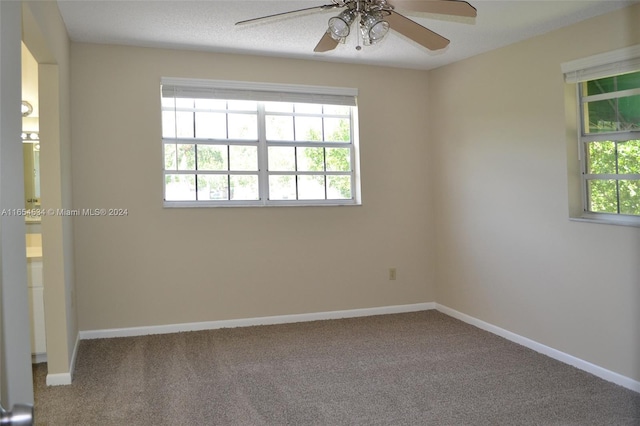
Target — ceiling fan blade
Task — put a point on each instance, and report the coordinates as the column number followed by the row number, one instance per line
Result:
column 416, row 32
column 444, row 7
column 326, row 43
column 275, row 15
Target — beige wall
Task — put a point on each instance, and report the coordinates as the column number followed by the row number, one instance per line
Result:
column 45, row 35
column 482, row 144
column 506, row 251
column 167, row 266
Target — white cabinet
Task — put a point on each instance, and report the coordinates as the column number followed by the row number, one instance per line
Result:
column 36, row 305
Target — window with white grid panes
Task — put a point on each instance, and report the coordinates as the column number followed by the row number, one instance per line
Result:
column 608, row 131
column 222, row 152
column 309, row 151
column 610, row 138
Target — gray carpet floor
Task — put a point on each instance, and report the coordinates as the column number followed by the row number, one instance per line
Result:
column 421, row 368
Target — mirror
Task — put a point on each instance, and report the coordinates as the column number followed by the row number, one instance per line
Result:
column 32, row 179
column 30, row 135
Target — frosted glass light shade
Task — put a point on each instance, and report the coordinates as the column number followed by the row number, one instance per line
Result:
column 340, row 26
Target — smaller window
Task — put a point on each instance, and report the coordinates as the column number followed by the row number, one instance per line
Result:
column 610, row 139
column 608, row 100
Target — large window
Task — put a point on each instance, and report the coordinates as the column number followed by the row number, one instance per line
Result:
column 226, row 144
column 608, row 88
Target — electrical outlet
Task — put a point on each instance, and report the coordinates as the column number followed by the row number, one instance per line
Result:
column 392, row 274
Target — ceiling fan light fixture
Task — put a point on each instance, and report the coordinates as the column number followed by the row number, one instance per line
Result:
column 374, row 27
column 376, row 17
column 340, row 26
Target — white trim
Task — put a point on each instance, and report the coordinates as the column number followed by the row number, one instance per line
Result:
column 65, row 378
column 38, row 358
column 602, row 65
column 259, row 86
column 596, row 370
column 272, row 203
column 611, row 95
column 608, row 219
column 609, row 136
column 72, row 364
column 247, row 322
column 59, row 379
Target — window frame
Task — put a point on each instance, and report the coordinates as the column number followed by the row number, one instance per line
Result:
column 577, row 72
column 614, row 136
column 261, row 93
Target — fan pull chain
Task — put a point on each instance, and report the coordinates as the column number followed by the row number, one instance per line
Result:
column 358, row 47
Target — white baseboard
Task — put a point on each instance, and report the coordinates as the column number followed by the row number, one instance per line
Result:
column 38, row 358
column 246, row 322
column 596, row 370
column 65, row 378
column 58, row 379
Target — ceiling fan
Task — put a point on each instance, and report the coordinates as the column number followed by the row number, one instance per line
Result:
column 376, row 17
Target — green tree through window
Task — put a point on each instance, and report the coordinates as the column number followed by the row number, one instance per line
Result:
column 335, row 159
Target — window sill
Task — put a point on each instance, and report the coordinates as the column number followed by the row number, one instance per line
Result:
column 606, row 219
column 173, row 204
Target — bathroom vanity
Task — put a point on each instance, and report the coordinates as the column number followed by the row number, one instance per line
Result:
column 36, row 297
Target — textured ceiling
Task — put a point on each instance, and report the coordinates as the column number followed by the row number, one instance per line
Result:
column 209, row 25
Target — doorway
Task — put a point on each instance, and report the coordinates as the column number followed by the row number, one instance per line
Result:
column 45, row 36
column 32, row 203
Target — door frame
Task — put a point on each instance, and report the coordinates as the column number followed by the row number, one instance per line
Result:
column 16, row 383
